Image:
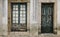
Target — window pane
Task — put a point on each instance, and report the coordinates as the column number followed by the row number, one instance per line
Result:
column 16, row 21
column 24, row 12
column 13, row 15
column 20, row 18
column 24, row 15
column 13, row 18
column 16, row 11
column 20, row 21
column 23, row 18
column 13, row 21
column 23, row 22
column 16, row 15
column 13, row 12
column 20, row 12
column 13, row 6
column 16, row 6
column 20, row 15
column 22, row 8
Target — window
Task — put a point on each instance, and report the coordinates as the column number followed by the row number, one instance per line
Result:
column 19, row 17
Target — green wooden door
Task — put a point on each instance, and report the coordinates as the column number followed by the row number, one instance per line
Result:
column 47, row 18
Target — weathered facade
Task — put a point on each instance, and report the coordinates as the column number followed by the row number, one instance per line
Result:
column 34, row 17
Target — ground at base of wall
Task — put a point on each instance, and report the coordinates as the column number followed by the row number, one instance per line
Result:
column 48, row 35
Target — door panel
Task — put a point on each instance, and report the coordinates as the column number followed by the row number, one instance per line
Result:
column 47, row 18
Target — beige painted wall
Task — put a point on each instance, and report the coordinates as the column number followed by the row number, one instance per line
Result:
column 58, row 12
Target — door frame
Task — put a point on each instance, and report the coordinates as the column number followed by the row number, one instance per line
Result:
column 54, row 18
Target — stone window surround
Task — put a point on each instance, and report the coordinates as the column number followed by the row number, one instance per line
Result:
column 28, row 24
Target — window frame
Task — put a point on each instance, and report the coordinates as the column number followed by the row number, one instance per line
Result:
column 25, row 3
